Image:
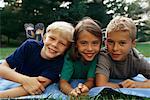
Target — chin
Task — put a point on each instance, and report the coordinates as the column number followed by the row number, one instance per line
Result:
column 50, row 56
column 89, row 59
column 118, row 59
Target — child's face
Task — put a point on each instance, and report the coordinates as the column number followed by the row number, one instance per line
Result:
column 54, row 45
column 119, row 45
column 88, row 45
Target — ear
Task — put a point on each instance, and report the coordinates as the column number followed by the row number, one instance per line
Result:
column 133, row 43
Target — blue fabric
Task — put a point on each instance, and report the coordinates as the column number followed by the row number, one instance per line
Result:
column 6, row 84
column 52, row 91
column 28, row 61
column 142, row 92
column 74, row 82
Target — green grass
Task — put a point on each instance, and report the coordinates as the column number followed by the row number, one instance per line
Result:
column 4, row 52
column 144, row 49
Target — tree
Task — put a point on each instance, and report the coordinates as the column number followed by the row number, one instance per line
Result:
column 19, row 12
column 98, row 11
column 139, row 13
column 10, row 23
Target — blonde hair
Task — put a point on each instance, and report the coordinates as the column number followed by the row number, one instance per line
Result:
column 65, row 29
column 121, row 23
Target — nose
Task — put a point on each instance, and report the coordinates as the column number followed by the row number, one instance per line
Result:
column 115, row 47
column 55, row 43
column 89, row 47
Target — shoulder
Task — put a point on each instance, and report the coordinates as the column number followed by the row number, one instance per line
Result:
column 31, row 43
column 137, row 57
column 137, row 53
column 103, row 57
column 68, row 54
column 104, row 54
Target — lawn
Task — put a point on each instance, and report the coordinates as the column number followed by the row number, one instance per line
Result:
column 144, row 49
column 4, row 52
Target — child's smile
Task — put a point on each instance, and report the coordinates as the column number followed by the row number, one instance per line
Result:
column 88, row 45
column 54, row 46
column 119, row 45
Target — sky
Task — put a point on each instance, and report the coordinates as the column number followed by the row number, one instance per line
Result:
column 1, row 3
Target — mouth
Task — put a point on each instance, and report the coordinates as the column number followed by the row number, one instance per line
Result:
column 51, row 50
column 89, row 55
column 115, row 55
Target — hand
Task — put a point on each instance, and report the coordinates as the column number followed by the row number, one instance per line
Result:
column 134, row 84
column 32, row 85
column 41, row 79
column 75, row 92
column 128, row 84
column 83, row 87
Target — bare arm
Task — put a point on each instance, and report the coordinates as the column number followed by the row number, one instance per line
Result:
column 20, row 91
column 10, row 74
column 89, row 83
column 14, row 92
column 65, row 86
column 86, row 86
column 134, row 84
column 30, row 84
column 102, row 80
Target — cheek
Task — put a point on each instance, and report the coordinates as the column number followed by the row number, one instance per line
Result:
column 98, row 48
column 62, row 50
column 45, row 40
column 127, row 50
column 108, row 46
column 79, row 47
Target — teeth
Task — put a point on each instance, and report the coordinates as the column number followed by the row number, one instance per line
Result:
column 89, row 55
column 52, row 51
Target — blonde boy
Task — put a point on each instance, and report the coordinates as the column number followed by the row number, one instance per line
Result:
column 120, row 60
column 37, row 64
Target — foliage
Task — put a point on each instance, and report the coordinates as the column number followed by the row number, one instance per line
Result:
column 9, row 25
column 16, row 14
column 115, row 7
column 136, row 11
column 100, row 14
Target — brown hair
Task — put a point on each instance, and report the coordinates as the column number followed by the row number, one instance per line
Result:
column 86, row 24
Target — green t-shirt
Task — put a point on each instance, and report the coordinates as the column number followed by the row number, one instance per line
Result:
column 78, row 69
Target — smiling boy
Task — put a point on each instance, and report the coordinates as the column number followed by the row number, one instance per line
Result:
column 120, row 60
column 37, row 64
